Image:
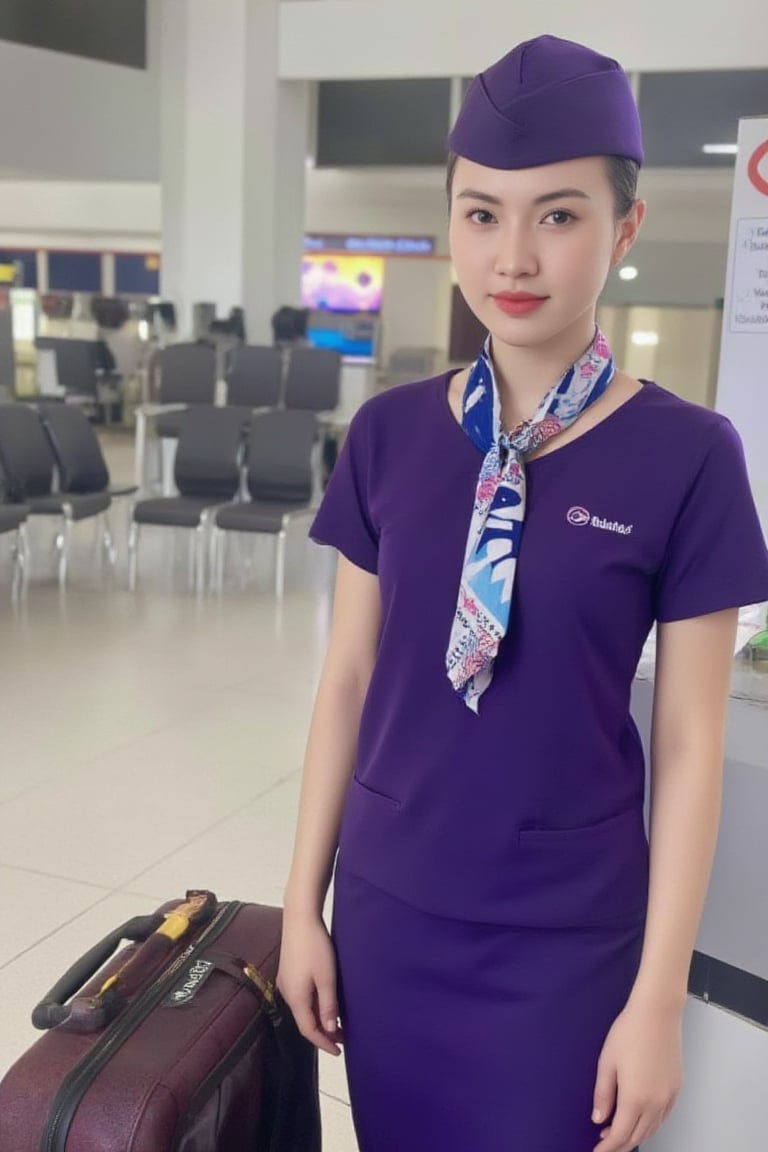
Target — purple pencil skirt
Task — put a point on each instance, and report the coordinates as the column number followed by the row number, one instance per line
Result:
column 465, row 1037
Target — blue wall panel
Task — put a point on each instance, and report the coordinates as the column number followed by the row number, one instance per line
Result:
column 28, row 260
column 137, row 274
column 74, row 271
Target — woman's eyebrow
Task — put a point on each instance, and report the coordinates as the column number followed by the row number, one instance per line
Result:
column 562, row 194
column 548, row 197
column 484, row 197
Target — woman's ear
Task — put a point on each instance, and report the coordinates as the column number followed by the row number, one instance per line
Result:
column 627, row 231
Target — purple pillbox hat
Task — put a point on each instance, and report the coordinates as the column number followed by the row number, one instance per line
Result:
column 548, row 100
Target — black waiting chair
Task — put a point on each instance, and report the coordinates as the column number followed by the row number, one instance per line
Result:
column 84, row 372
column 79, row 459
column 187, row 378
column 255, row 379
column 207, row 473
column 313, row 381
column 280, row 479
column 13, row 518
column 28, row 467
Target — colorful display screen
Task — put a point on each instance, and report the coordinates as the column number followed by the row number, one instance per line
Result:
column 342, row 283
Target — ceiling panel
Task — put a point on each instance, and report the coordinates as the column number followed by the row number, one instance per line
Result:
column 683, row 111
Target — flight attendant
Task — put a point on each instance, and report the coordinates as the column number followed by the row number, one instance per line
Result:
column 509, row 957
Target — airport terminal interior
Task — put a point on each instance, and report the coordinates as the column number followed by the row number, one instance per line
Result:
column 223, row 227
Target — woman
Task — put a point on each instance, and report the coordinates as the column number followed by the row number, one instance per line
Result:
column 511, row 962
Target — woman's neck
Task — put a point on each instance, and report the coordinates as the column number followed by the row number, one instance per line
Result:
column 524, row 375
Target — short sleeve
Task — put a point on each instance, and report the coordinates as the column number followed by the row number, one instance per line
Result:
column 716, row 557
column 343, row 520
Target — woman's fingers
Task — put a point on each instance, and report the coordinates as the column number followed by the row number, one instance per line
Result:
column 304, row 1009
column 618, row 1138
column 605, row 1092
column 328, row 1008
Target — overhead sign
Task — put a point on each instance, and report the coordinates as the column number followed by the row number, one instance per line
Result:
column 364, row 245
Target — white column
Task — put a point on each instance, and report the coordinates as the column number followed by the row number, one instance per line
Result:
column 234, row 142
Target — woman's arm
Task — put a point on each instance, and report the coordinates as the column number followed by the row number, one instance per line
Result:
column 333, row 733
column 640, row 1068
column 307, row 972
column 693, row 672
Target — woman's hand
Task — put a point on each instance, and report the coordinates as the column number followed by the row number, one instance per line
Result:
column 640, row 1073
column 306, row 979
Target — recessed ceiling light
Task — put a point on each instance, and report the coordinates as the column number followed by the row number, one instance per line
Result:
column 645, row 339
column 628, row 273
column 720, row 149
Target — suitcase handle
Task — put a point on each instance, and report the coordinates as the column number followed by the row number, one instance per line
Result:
column 158, row 934
column 53, row 1009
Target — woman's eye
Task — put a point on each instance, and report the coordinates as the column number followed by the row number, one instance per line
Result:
column 480, row 216
column 561, row 217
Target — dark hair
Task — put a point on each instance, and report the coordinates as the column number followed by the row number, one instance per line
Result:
column 623, row 175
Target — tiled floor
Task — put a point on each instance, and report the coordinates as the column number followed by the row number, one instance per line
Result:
column 150, row 743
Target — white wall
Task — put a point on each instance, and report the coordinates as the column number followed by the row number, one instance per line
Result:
column 342, row 39
column 683, row 360
column 416, row 308
column 70, row 118
column 59, row 213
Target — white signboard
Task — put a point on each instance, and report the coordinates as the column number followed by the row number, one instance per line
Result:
column 749, row 294
column 742, row 389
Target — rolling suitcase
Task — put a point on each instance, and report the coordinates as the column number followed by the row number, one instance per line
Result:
column 181, row 1044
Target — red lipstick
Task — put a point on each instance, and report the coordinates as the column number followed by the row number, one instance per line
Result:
column 518, row 303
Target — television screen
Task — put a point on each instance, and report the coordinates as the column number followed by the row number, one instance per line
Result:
column 342, row 283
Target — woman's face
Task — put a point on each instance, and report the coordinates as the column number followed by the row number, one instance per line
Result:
column 532, row 248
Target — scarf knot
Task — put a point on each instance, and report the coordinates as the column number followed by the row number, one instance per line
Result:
column 495, row 532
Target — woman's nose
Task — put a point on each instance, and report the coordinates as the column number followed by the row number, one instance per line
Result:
column 516, row 255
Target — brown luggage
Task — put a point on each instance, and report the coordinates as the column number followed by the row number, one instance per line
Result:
column 181, row 1044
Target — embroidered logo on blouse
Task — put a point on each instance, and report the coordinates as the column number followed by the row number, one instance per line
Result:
column 581, row 518
column 578, row 516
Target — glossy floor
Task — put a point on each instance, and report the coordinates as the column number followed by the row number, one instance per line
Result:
column 150, row 743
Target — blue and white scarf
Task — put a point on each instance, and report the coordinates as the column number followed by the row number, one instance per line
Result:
column 493, row 543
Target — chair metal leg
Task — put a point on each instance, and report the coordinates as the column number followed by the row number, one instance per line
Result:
column 26, row 558
column 244, row 565
column 280, row 563
column 216, row 559
column 20, row 563
column 133, row 555
column 63, row 541
column 192, row 559
column 107, row 540
column 200, row 538
column 316, row 468
column 221, row 559
column 140, row 448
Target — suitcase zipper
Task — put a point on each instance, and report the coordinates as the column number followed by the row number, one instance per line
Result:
column 76, row 1084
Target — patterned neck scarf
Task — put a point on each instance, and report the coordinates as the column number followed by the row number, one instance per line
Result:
column 493, row 544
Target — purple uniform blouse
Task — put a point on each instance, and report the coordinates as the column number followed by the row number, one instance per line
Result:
column 531, row 812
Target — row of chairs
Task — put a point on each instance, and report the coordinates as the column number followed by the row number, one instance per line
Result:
column 51, row 465
column 260, row 377
column 227, row 484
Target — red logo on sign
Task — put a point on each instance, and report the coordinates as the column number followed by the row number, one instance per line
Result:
column 753, row 171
